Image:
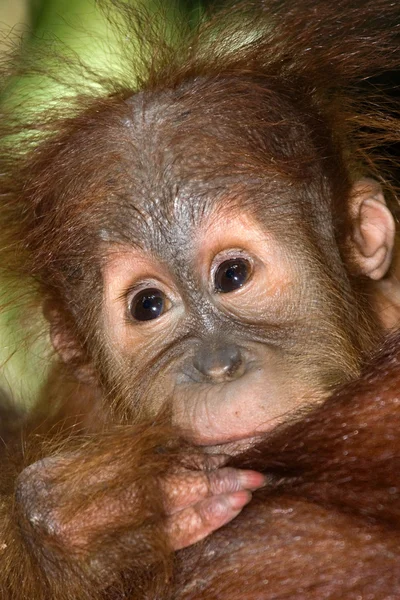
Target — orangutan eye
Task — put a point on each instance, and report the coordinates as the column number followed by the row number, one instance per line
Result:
column 148, row 304
column 231, row 275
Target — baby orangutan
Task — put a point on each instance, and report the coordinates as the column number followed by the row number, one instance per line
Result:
column 214, row 252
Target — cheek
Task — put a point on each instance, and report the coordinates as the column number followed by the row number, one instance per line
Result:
column 137, row 383
column 132, row 345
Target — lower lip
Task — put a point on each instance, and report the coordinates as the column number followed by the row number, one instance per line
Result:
column 233, row 448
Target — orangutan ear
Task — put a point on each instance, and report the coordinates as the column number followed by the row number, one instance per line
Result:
column 65, row 344
column 373, row 230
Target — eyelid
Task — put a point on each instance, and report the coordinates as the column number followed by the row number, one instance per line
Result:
column 228, row 255
column 143, row 284
column 132, row 289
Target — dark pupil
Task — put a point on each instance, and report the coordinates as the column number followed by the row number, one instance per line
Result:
column 147, row 305
column 231, row 275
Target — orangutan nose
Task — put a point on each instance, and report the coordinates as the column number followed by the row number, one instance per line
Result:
column 219, row 363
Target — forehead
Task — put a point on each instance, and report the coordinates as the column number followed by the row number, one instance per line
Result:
column 185, row 153
column 218, row 131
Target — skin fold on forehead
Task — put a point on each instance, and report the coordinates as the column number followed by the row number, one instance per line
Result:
column 199, row 132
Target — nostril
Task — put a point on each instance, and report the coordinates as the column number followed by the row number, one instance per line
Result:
column 219, row 364
column 231, row 357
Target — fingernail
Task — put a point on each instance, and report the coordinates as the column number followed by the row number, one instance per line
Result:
column 239, row 499
column 252, row 480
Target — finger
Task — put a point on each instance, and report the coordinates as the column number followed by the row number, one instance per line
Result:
column 184, row 490
column 197, row 522
column 228, row 479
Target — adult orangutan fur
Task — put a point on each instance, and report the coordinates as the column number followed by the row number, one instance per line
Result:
column 208, row 233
